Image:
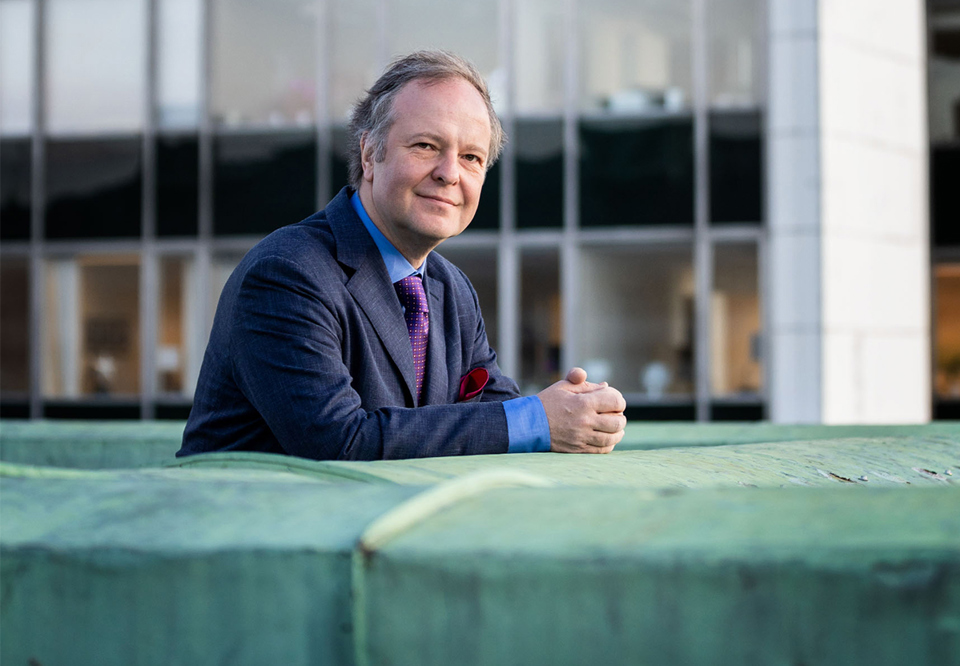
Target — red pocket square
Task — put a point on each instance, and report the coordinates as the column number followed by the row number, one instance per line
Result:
column 472, row 384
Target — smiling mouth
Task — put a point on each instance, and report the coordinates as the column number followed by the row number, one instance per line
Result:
column 438, row 199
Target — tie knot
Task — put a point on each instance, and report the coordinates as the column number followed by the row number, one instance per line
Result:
column 411, row 294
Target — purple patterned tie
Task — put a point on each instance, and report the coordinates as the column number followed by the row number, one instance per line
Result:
column 416, row 313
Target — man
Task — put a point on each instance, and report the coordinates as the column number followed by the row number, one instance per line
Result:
column 345, row 336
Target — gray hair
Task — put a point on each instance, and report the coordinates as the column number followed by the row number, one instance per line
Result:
column 373, row 115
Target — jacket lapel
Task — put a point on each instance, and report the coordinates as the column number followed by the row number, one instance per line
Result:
column 370, row 286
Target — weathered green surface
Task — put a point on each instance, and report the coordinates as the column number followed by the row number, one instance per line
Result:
column 649, row 435
column 148, row 570
column 90, row 444
column 115, row 444
column 618, row 576
column 233, row 566
column 882, row 461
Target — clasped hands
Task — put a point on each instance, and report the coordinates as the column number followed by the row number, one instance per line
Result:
column 584, row 417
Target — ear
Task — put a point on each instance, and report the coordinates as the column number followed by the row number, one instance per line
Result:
column 366, row 157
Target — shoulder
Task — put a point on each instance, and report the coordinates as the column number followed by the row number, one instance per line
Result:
column 455, row 280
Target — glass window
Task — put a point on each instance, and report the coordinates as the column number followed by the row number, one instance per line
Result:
column 541, row 323
column 178, row 63
column 944, row 116
column 264, row 63
column 538, row 146
column 735, row 323
column 15, row 182
column 221, row 268
column 92, row 327
column 735, row 31
column 17, row 71
column 488, row 210
column 95, row 65
column 353, row 54
column 470, row 29
column 339, row 158
column 636, row 171
column 480, row 265
column 736, row 167
column 94, row 188
column 177, row 356
column 14, row 326
column 635, row 56
column 178, row 185
column 539, row 48
column 947, row 331
column 636, row 319
column 263, row 181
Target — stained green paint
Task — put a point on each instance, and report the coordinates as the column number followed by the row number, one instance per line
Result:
column 113, row 444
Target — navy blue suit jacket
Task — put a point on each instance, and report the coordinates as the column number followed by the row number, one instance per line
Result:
column 309, row 355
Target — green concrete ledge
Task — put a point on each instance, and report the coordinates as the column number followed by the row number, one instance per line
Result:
column 132, row 444
column 253, row 566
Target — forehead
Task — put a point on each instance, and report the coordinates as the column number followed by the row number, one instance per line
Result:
column 444, row 106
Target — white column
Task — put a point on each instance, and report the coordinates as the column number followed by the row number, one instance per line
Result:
column 874, row 214
column 847, row 184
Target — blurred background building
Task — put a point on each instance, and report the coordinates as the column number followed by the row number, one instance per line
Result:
column 729, row 209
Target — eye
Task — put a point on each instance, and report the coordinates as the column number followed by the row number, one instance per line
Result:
column 473, row 158
column 423, row 145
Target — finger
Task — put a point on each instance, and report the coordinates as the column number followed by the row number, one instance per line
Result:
column 610, row 423
column 602, row 440
column 606, row 400
column 577, row 376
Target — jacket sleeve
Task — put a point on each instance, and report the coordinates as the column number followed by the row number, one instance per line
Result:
column 286, row 347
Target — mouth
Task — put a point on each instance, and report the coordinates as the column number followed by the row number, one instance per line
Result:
column 438, row 199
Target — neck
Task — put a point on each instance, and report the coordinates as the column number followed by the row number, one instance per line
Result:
column 415, row 253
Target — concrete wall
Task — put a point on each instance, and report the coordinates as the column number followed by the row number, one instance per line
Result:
column 848, row 212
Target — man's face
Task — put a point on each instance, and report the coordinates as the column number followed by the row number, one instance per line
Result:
column 427, row 187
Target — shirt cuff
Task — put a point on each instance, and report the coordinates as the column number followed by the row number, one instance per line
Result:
column 528, row 430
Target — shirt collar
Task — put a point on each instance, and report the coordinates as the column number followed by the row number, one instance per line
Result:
column 397, row 266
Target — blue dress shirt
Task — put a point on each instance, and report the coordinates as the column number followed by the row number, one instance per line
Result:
column 527, row 427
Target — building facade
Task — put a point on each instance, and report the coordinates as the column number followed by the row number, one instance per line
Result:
column 719, row 206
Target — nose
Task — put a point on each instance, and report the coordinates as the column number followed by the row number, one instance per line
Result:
column 447, row 169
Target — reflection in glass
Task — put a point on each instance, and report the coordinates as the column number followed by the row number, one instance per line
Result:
column 95, row 65
column 264, row 63
column 177, row 357
column 735, row 322
column 636, row 171
column 541, row 335
column 539, row 54
column 735, row 31
column 944, row 115
column 636, row 319
column 471, row 31
column 92, row 327
column 480, row 266
column 944, row 74
column 17, row 71
column 488, row 210
column 263, row 181
column 220, row 270
column 736, row 167
column 178, row 63
column 15, row 180
column 635, row 56
column 94, row 188
column 178, row 185
column 947, row 331
column 352, row 53
column 339, row 158
column 14, row 326
column 538, row 145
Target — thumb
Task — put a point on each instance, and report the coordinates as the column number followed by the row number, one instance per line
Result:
column 577, row 376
